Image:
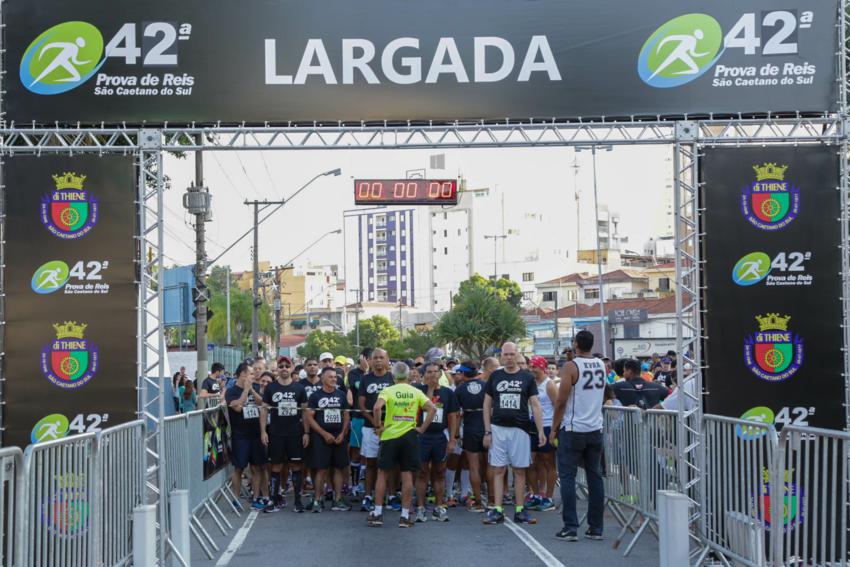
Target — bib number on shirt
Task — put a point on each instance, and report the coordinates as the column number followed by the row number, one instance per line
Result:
column 509, row 401
column 250, row 412
column 438, row 417
column 287, row 408
column 333, row 416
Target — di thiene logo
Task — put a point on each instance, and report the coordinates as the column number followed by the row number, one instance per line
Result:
column 774, row 353
column 70, row 361
column 770, row 202
column 69, row 212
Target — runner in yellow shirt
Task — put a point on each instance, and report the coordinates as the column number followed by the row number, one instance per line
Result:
column 399, row 440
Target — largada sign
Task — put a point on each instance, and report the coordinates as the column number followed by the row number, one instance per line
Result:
column 397, row 60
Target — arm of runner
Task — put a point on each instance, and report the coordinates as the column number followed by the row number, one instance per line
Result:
column 306, row 437
column 488, row 406
column 568, row 374
column 240, row 401
column 346, row 421
column 264, row 414
column 375, row 416
column 537, row 410
column 314, row 425
column 431, row 410
column 454, row 419
column 361, row 405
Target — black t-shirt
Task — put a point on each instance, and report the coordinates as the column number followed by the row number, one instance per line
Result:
column 665, row 376
column 329, row 408
column 445, row 402
column 211, row 385
column 510, row 393
column 244, row 424
column 470, row 398
column 638, row 392
column 285, row 411
column 371, row 386
column 355, row 376
column 309, row 388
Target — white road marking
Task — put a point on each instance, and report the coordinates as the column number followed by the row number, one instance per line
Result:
column 237, row 540
column 541, row 552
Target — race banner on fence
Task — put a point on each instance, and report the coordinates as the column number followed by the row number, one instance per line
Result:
column 216, row 441
column 70, row 334
column 773, row 285
column 398, row 60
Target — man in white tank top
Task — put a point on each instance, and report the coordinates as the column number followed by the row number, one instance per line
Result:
column 577, row 425
column 542, row 473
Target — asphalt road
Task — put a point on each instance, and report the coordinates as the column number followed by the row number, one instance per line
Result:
column 343, row 539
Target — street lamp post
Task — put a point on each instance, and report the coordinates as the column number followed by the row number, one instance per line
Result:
column 592, row 149
column 495, row 238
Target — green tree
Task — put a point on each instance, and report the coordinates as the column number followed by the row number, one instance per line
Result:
column 504, row 289
column 217, row 279
column 240, row 318
column 413, row 344
column 377, row 331
column 478, row 321
column 326, row 341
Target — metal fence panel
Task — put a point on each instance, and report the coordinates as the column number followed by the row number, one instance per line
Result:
column 11, row 480
column 622, row 431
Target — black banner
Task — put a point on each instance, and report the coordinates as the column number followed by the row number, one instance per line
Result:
column 773, row 285
column 399, row 60
column 216, row 441
column 70, row 363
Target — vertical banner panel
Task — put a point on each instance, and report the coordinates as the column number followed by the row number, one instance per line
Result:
column 70, row 361
column 773, row 285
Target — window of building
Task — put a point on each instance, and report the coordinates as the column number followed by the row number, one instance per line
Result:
column 382, row 295
column 403, row 247
column 664, row 284
column 549, row 295
column 458, row 232
column 381, row 235
column 631, row 331
column 445, row 233
column 506, row 276
column 382, row 265
column 445, row 216
column 382, row 280
column 445, row 251
column 591, row 293
column 380, row 221
column 381, row 249
column 528, row 295
column 528, row 276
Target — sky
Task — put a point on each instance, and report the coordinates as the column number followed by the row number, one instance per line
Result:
column 630, row 180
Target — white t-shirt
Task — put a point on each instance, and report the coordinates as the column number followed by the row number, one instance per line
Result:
column 671, row 402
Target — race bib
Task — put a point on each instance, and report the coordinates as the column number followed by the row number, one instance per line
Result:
column 333, row 416
column 287, row 408
column 438, row 417
column 509, row 401
column 250, row 412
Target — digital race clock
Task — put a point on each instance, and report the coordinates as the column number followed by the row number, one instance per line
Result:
column 405, row 191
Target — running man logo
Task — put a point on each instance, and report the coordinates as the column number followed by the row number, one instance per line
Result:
column 70, row 361
column 69, row 212
column 62, row 58
column 49, row 428
column 774, row 353
column 770, row 202
column 751, row 269
column 680, row 51
column 761, row 415
column 50, row 277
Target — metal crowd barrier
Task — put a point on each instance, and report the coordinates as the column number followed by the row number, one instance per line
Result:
column 11, row 479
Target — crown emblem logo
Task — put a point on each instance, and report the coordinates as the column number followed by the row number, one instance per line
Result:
column 69, row 180
column 770, row 171
column 773, row 322
column 69, row 330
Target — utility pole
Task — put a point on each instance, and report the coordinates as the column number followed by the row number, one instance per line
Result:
column 357, row 319
column 227, row 288
column 557, row 338
column 197, row 201
column 400, row 324
column 277, row 307
column 259, row 206
column 495, row 238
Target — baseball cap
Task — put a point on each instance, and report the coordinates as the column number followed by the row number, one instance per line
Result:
column 349, row 361
column 284, row 358
column 341, row 360
column 326, row 356
column 538, row 361
column 666, row 360
column 434, row 354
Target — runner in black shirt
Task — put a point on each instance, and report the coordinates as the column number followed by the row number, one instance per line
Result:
column 286, row 434
column 635, row 391
column 243, row 409
column 355, row 376
column 211, row 386
column 470, row 397
column 329, row 419
column 367, row 394
column 311, row 383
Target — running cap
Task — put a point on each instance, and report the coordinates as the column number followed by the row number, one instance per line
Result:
column 326, row 356
column 341, row 360
column 538, row 361
column 284, row 358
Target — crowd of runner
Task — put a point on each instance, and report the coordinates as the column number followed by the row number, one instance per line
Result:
column 402, row 435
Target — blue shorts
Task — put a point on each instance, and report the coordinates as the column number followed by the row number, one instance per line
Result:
column 432, row 448
column 547, row 448
column 356, row 431
column 247, row 451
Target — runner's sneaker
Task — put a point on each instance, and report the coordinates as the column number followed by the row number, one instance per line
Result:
column 366, row 504
column 340, row 506
column 405, row 523
column 451, row 502
column 317, row 506
column 395, row 503
column 566, row 535
column 592, row 535
column 506, row 500
column 476, row 507
column 533, row 503
column 493, row 517
column 546, row 505
column 298, row 506
column 271, row 508
column 257, row 504
column 420, row 514
column 375, row 521
column 440, row 514
column 524, row 517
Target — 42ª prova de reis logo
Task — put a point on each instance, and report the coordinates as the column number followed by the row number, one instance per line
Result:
column 62, row 58
column 69, row 212
column 770, row 202
column 70, row 361
column 774, row 353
